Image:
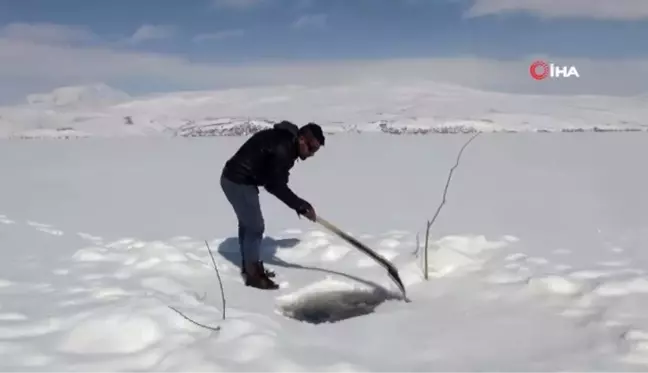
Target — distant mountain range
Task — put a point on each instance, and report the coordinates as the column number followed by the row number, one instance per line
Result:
column 421, row 108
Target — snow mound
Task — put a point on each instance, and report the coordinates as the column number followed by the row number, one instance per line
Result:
column 112, row 330
column 460, row 254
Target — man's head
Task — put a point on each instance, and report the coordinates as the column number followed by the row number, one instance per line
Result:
column 309, row 139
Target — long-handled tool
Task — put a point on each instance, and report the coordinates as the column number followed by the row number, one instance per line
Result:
column 391, row 269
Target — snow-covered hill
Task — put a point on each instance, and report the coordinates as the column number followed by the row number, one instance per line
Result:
column 78, row 97
column 420, row 108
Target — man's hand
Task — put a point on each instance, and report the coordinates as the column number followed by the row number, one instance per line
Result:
column 308, row 211
column 310, row 214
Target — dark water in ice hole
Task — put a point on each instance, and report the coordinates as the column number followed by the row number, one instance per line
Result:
column 334, row 306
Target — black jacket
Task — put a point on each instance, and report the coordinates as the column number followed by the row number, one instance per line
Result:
column 265, row 159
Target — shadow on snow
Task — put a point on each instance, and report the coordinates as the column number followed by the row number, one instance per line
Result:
column 316, row 307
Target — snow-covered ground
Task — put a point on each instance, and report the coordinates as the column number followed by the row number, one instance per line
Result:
column 391, row 107
column 537, row 258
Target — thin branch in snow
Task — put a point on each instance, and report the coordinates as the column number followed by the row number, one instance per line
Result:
column 443, row 201
column 196, row 322
column 220, row 282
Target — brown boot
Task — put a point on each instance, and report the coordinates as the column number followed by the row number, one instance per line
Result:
column 269, row 273
column 256, row 277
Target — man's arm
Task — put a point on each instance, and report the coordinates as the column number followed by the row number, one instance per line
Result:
column 286, row 195
column 277, row 184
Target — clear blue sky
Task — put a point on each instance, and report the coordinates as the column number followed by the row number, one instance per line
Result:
column 217, row 31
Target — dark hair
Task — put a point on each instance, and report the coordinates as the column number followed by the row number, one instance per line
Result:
column 312, row 129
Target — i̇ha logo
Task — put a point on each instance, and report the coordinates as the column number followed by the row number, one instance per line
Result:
column 540, row 70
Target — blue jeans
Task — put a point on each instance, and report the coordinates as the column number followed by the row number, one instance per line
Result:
column 245, row 201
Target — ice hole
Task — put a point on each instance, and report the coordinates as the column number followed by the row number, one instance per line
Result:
column 334, row 305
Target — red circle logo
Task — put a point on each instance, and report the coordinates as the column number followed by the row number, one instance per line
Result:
column 533, row 70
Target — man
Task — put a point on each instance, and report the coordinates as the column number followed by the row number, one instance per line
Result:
column 266, row 159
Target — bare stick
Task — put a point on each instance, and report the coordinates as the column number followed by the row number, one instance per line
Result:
column 445, row 192
column 220, row 282
column 196, row 322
